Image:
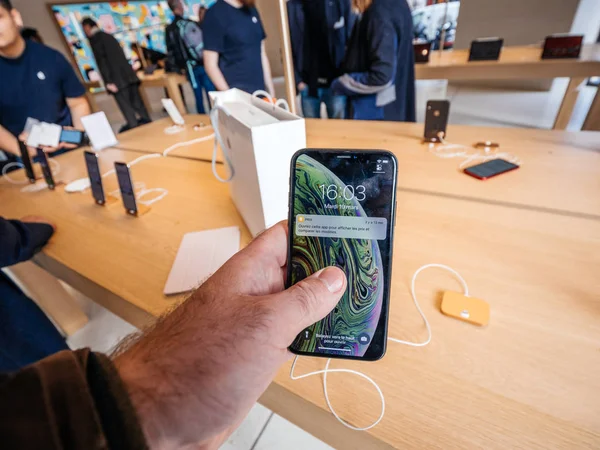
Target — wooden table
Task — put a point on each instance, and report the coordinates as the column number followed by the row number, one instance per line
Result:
column 169, row 81
column 527, row 380
column 550, row 160
column 517, row 63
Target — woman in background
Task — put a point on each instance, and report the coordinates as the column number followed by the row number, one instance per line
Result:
column 379, row 74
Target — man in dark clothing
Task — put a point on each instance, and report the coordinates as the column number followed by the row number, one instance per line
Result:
column 319, row 31
column 188, row 381
column 26, row 334
column 379, row 74
column 118, row 75
column 179, row 55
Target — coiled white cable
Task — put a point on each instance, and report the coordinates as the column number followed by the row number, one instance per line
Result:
column 54, row 162
column 185, row 144
column 399, row 341
column 462, row 151
column 141, row 191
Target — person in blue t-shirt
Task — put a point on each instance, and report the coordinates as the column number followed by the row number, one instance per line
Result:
column 36, row 81
column 234, row 47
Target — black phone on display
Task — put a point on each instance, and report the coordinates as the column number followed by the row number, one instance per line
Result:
column 486, row 49
column 422, row 52
column 93, row 168
column 126, row 187
column 436, row 120
column 342, row 213
column 26, row 160
column 45, row 165
column 490, row 169
column 562, row 46
column 73, row 137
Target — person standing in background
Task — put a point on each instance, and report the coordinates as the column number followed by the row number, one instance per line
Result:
column 234, row 47
column 185, row 51
column 379, row 71
column 319, row 31
column 35, row 81
column 118, row 75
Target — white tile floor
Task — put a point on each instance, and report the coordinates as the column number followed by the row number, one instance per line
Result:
column 262, row 429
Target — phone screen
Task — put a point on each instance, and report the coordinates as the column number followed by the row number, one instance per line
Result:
column 91, row 161
column 43, row 159
column 126, row 187
column 71, row 136
column 490, row 169
column 342, row 206
column 26, row 159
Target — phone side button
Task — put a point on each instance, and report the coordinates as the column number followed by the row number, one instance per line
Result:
column 395, row 212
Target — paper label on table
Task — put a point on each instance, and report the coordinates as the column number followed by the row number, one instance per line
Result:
column 200, row 255
column 173, row 112
column 99, row 131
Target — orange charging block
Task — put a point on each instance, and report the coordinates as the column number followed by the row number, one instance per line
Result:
column 467, row 309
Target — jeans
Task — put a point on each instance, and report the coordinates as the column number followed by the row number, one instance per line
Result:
column 311, row 106
column 203, row 83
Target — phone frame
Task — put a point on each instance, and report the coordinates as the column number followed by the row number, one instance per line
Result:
column 98, row 201
column 392, row 222
column 26, row 159
column 81, row 142
column 433, row 120
column 46, row 170
column 479, row 177
column 131, row 212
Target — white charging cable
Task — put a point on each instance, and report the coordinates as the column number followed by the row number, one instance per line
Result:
column 214, row 120
column 448, row 150
column 399, row 341
column 185, row 144
column 141, row 191
column 282, row 103
column 9, row 179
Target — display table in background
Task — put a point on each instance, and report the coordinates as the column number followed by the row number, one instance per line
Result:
column 168, row 81
column 531, row 373
column 517, row 63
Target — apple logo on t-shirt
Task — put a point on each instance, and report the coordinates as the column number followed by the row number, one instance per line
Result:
column 41, row 75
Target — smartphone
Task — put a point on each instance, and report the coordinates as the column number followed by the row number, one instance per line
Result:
column 490, row 169
column 436, row 120
column 562, row 46
column 26, row 160
column 486, row 49
column 93, row 168
column 43, row 159
column 341, row 213
column 72, row 137
column 126, row 187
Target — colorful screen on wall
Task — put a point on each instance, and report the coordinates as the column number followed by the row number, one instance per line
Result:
column 142, row 22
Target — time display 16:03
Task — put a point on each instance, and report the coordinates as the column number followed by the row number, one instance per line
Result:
column 332, row 192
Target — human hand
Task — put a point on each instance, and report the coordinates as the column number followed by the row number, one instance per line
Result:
column 198, row 371
column 112, row 88
column 301, row 86
column 38, row 219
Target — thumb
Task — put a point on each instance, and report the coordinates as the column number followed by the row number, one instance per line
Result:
column 309, row 301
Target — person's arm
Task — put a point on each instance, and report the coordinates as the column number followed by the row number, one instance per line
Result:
column 383, row 55
column 8, row 142
column 79, row 108
column 211, row 64
column 20, row 240
column 266, row 66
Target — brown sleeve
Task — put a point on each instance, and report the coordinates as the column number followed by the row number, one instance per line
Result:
column 70, row 400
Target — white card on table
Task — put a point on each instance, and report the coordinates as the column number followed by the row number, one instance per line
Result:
column 200, row 255
column 99, row 131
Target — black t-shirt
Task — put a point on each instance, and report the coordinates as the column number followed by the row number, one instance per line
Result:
column 236, row 35
column 320, row 67
column 36, row 84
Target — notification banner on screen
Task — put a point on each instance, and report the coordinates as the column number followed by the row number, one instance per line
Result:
column 341, row 227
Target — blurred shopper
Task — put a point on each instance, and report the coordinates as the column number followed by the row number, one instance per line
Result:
column 26, row 334
column 118, row 75
column 32, row 34
column 379, row 74
column 35, row 81
column 319, row 31
column 234, row 47
column 185, row 51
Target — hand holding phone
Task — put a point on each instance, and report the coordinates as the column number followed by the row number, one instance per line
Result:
column 342, row 209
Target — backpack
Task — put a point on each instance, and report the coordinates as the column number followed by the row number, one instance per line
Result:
column 192, row 39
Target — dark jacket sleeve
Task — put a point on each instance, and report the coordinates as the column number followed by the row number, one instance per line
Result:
column 382, row 54
column 101, row 55
column 19, row 241
column 72, row 399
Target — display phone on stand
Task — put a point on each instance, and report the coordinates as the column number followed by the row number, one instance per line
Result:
column 93, row 168
column 46, row 172
column 341, row 213
column 75, row 137
column 26, row 159
column 436, row 120
column 126, row 187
